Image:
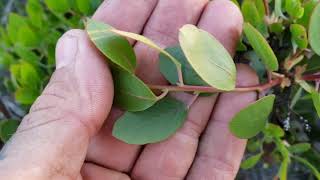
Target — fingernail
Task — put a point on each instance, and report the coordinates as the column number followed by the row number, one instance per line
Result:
column 66, row 51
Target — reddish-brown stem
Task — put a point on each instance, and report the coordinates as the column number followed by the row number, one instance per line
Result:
column 311, row 77
column 266, row 7
column 269, row 73
column 207, row 89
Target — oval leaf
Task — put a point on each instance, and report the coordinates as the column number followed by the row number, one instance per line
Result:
column 152, row 125
column 314, row 30
column 261, row 47
column 251, row 120
column 299, row 35
column 131, row 93
column 308, row 8
column 8, row 128
column 59, row 6
column 316, row 101
column 299, row 148
column 208, row 57
column 274, row 130
column 251, row 161
column 113, row 46
column 146, row 41
column 169, row 71
column 294, row 8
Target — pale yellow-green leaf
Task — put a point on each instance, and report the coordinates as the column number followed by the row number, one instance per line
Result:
column 208, row 57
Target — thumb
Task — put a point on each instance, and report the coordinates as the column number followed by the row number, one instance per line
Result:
column 52, row 139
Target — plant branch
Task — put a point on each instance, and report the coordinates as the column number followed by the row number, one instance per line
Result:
column 266, row 7
column 311, row 77
column 208, row 89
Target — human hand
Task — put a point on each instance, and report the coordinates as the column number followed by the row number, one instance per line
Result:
column 65, row 135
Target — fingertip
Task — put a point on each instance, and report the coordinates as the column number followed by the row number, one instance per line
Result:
column 223, row 19
column 77, row 55
column 66, row 48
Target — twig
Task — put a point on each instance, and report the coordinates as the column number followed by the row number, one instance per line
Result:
column 208, row 89
column 266, row 7
column 311, row 77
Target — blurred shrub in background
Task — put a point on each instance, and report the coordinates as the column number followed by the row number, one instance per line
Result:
column 28, row 37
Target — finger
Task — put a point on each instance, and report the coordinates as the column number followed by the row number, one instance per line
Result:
column 172, row 158
column 93, row 172
column 126, row 15
column 52, row 139
column 220, row 153
column 163, row 27
column 104, row 149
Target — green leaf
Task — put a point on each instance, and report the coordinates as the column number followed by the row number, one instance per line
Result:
column 257, row 65
column 131, row 93
column 26, row 95
column 115, row 47
column 241, row 46
column 283, row 171
column 278, row 9
column 84, row 6
column 316, row 101
column 251, row 161
column 35, row 12
column 308, row 8
column 274, row 130
column 306, row 86
column 27, row 37
column 261, row 46
column 313, row 169
column 254, row 13
column 152, row 125
column 26, row 54
column 208, row 57
column 260, row 6
column 148, row 42
column 14, row 24
column 294, row 8
column 251, row 13
column 314, row 30
column 7, row 129
column 168, row 69
column 299, row 35
column 313, row 65
column 25, row 74
column 4, row 37
column 276, row 28
column 299, row 148
column 6, row 60
column 252, row 119
column 59, row 6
